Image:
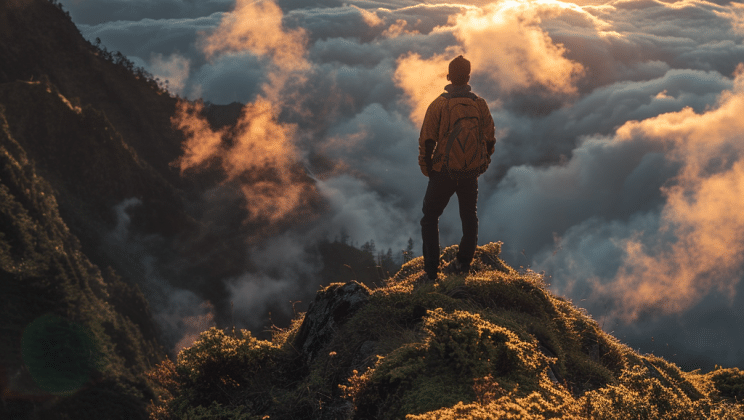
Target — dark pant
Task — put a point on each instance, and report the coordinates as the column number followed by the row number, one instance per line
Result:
column 440, row 189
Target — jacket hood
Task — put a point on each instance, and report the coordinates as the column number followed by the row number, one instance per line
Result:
column 457, row 89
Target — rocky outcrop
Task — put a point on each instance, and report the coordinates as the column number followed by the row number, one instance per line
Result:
column 332, row 307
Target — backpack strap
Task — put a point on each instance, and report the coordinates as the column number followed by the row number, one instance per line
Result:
column 447, row 96
column 446, row 111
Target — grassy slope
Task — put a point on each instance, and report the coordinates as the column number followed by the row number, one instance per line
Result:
column 495, row 344
column 73, row 337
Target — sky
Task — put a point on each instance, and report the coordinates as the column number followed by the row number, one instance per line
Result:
column 618, row 170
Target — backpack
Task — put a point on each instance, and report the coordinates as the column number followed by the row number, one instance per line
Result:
column 462, row 150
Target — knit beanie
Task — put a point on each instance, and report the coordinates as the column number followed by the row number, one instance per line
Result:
column 459, row 70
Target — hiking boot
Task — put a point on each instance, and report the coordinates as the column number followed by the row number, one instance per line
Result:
column 454, row 267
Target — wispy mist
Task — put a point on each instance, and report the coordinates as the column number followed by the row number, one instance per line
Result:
column 617, row 172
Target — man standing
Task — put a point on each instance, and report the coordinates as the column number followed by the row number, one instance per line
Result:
column 455, row 147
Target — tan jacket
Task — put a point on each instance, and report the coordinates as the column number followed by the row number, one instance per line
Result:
column 431, row 129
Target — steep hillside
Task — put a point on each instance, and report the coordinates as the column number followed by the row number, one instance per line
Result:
column 92, row 212
column 495, row 344
column 100, row 132
column 39, row 40
column 76, row 339
column 79, row 135
column 115, row 141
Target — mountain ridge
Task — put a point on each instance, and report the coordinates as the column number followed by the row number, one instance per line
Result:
column 93, row 212
column 491, row 344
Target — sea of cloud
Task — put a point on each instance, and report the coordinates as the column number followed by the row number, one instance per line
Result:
column 619, row 169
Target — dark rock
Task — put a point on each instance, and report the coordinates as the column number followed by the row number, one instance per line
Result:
column 365, row 356
column 491, row 261
column 331, row 308
column 551, row 366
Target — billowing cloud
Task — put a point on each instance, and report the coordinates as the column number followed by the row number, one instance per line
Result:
column 698, row 226
column 507, row 49
column 233, row 77
column 369, row 17
column 667, row 240
column 202, row 143
column 260, row 155
column 256, row 26
column 555, row 137
column 422, row 80
column 616, row 171
column 172, row 70
column 669, row 178
column 179, row 313
column 144, row 37
column 505, row 43
column 365, row 214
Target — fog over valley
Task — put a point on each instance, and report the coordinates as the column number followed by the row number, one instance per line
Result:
column 618, row 170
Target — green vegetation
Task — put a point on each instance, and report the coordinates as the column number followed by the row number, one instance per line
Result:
column 69, row 348
column 494, row 344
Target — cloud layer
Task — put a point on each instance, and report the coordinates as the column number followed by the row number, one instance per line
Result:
column 618, row 171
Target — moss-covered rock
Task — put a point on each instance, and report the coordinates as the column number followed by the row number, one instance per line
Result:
column 493, row 344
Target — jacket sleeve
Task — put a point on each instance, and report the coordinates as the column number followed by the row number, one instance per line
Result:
column 429, row 131
column 489, row 131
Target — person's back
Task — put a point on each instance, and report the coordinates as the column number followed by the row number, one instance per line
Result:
column 455, row 147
